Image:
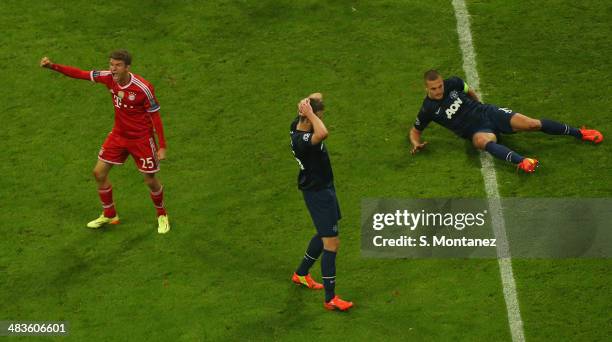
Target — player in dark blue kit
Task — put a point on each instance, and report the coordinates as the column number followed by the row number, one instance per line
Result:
column 316, row 181
column 454, row 105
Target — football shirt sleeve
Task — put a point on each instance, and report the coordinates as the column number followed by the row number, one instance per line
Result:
column 422, row 119
column 304, row 140
column 104, row 76
column 151, row 105
column 71, row 71
column 159, row 129
column 455, row 83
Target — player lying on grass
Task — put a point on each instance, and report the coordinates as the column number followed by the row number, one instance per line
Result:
column 454, row 105
column 136, row 118
column 316, row 181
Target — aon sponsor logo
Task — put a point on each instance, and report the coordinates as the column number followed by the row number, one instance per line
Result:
column 453, row 108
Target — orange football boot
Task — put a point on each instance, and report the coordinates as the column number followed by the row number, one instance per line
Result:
column 528, row 165
column 337, row 303
column 591, row 135
column 306, row 281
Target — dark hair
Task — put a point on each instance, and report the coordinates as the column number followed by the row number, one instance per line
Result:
column 317, row 105
column 122, row 55
column 431, row 75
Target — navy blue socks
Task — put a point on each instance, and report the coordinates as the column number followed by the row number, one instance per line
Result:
column 502, row 152
column 557, row 128
column 315, row 247
column 548, row 126
column 328, row 271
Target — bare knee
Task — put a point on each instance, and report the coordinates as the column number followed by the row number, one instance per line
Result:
column 520, row 122
column 100, row 176
column 149, row 181
column 152, row 182
column 331, row 243
column 534, row 125
column 481, row 140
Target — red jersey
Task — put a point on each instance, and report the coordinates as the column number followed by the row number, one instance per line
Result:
column 136, row 108
column 133, row 104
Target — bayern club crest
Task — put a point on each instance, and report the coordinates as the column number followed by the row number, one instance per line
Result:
column 132, row 96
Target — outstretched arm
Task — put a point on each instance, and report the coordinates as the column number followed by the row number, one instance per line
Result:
column 415, row 140
column 159, row 130
column 45, row 62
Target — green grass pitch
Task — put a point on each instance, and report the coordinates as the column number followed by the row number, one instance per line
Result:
column 228, row 75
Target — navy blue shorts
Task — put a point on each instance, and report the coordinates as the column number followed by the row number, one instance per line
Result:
column 324, row 210
column 494, row 120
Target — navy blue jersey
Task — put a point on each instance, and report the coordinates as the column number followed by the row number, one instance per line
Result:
column 456, row 111
column 315, row 167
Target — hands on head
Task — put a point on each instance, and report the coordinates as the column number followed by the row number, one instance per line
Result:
column 304, row 108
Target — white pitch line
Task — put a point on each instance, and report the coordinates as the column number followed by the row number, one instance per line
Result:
column 490, row 180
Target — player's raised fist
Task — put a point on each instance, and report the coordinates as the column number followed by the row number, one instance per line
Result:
column 45, row 62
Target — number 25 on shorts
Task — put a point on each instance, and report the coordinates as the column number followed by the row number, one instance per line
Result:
column 147, row 163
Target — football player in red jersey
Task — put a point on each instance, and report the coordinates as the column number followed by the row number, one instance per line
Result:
column 137, row 120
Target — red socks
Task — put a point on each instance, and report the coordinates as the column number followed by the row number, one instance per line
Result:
column 158, row 201
column 106, row 196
